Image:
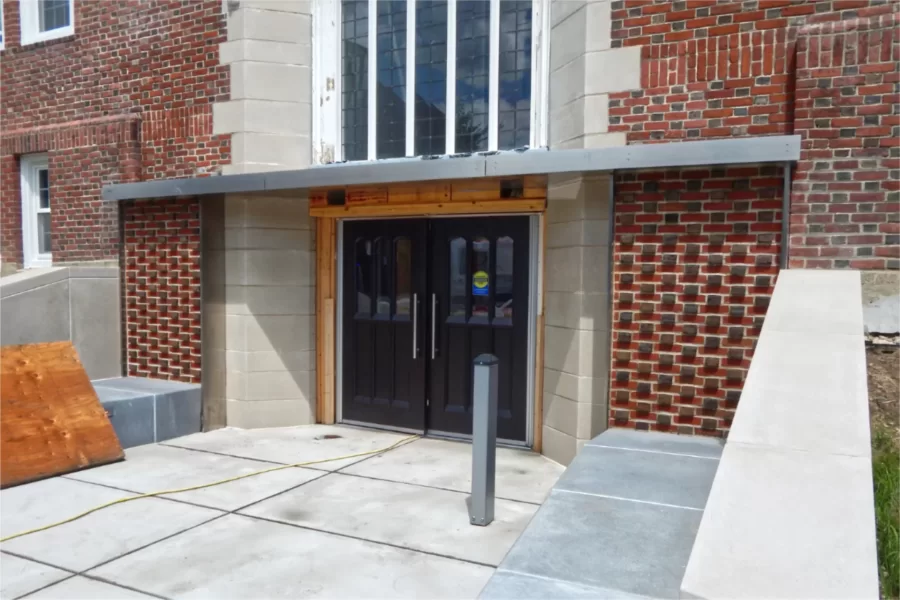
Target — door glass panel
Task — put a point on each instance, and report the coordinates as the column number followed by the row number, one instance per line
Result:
column 363, row 277
column 458, row 277
column 403, row 278
column 43, row 220
column 503, row 292
column 481, row 280
column 384, row 258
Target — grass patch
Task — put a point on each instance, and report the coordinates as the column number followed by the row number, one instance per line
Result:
column 886, row 475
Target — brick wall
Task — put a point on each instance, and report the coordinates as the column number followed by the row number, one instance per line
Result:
column 695, row 259
column 824, row 69
column 153, row 61
column 161, row 283
column 846, row 196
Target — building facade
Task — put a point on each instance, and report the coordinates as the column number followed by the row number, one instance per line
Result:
column 296, row 292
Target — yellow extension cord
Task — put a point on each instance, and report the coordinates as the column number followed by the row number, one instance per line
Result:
column 206, row 485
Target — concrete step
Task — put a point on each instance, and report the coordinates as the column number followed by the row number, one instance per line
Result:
column 144, row 411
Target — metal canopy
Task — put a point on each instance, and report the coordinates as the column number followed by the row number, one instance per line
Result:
column 779, row 148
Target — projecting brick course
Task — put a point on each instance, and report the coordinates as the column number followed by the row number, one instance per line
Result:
column 161, row 283
column 695, row 259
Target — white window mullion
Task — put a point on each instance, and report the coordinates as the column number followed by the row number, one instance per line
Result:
column 540, row 64
column 373, row 79
column 450, row 109
column 494, row 76
column 410, row 77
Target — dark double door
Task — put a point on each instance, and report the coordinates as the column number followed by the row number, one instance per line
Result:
column 422, row 298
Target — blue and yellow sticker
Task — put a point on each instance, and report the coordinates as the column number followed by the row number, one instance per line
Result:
column 480, row 283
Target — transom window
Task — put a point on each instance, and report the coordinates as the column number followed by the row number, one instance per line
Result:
column 430, row 77
column 35, row 185
column 44, row 20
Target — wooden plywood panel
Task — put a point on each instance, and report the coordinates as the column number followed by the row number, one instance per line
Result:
column 364, row 196
column 440, row 208
column 51, row 421
column 473, row 190
column 419, row 193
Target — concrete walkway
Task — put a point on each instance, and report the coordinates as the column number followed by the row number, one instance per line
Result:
column 620, row 523
column 385, row 526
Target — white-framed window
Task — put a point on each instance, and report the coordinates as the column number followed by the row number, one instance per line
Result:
column 396, row 78
column 44, row 20
column 2, row 38
column 37, row 246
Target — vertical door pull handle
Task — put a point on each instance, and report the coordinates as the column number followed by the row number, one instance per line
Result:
column 433, row 325
column 415, row 305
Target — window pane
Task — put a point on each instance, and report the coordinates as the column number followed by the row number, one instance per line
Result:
column 503, row 293
column 53, row 14
column 44, row 188
column 384, row 258
column 403, row 269
column 431, row 76
column 458, row 278
column 472, row 69
column 481, row 282
column 355, row 79
column 363, row 277
column 391, row 98
column 43, row 220
column 514, row 113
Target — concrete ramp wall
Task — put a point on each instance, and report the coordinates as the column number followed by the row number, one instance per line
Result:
column 790, row 513
column 80, row 304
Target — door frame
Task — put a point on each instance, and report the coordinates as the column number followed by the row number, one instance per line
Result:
column 533, row 420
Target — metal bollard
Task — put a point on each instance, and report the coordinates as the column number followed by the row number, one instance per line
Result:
column 484, row 439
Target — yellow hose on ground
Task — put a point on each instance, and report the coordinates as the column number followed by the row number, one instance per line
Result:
column 396, row 444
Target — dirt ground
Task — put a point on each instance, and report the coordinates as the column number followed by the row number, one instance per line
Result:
column 884, row 387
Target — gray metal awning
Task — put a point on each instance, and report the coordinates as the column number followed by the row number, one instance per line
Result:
column 779, row 148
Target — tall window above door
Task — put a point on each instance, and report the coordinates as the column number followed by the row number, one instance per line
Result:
column 431, row 77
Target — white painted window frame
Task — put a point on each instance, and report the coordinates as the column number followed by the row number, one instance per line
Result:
column 29, row 20
column 2, row 30
column 327, row 41
column 30, row 165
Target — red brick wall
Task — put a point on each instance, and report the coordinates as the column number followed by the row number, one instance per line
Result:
column 846, row 196
column 155, row 61
column 694, row 266
column 824, row 69
column 161, row 283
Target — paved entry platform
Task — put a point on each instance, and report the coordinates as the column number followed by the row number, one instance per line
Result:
column 620, row 523
column 392, row 525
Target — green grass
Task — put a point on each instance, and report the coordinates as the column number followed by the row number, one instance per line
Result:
column 886, row 474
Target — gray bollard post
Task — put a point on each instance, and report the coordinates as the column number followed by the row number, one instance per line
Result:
column 484, row 439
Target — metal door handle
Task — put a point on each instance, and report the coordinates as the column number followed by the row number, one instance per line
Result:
column 433, row 324
column 415, row 304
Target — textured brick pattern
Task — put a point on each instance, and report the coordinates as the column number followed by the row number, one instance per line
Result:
column 694, row 266
column 846, row 196
column 161, row 279
column 127, row 97
column 717, row 69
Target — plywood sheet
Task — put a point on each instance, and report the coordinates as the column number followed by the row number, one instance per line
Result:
column 51, row 421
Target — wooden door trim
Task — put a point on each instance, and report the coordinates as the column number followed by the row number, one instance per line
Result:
column 326, row 298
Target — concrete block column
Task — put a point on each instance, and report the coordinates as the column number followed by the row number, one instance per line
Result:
column 576, row 313
column 270, row 311
column 584, row 70
column 269, row 114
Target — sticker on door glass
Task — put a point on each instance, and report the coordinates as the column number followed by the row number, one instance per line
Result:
column 480, row 283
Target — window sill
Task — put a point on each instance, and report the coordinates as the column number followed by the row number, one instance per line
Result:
column 56, row 35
